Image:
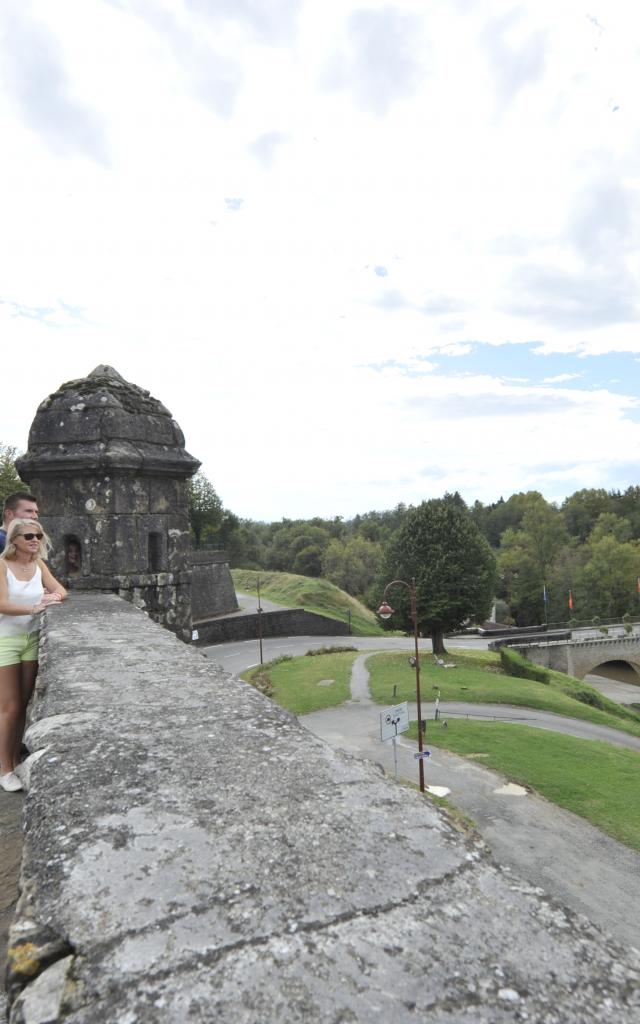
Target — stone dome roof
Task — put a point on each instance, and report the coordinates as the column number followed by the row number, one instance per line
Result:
column 104, row 423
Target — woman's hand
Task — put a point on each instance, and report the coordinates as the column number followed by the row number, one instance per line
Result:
column 51, row 599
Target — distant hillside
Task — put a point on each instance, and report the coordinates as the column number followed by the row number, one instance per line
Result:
column 314, row 595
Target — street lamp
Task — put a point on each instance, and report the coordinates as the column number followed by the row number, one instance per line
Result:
column 385, row 611
column 259, row 621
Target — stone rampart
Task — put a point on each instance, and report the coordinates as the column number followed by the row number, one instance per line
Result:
column 212, row 589
column 289, row 622
column 193, row 854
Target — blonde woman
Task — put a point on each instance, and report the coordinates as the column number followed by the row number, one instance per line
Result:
column 26, row 588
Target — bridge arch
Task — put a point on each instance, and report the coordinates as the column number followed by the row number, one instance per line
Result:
column 579, row 658
column 624, row 669
column 587, row 656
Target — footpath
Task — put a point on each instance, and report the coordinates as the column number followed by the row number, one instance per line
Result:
column 550, row 848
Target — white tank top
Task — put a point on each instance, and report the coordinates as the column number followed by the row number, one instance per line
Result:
column 27, row 592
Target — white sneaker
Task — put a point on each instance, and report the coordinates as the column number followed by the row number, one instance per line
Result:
column 10, row 782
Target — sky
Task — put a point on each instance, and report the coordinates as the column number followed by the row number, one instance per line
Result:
column 366, row 253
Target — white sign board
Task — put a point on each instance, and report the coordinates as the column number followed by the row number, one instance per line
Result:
column 393, row 721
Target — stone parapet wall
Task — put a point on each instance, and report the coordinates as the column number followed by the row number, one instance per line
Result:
column 580, row 657
column 208, row 556
column 289, row 622
column 192, row 854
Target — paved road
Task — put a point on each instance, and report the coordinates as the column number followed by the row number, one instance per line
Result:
column 551, row 848
column 248, row 603
column 236, row 657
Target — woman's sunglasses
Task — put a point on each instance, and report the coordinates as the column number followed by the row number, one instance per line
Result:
column 31, row 536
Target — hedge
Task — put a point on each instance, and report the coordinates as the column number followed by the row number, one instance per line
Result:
column 515, row 665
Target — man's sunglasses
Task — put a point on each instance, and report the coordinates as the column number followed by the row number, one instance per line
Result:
column 31, row 536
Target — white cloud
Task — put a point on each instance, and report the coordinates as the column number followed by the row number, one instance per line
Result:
column 291, row 267
column 561, row 378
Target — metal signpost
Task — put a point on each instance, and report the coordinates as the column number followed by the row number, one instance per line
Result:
column 393, row 721
column 385, row 611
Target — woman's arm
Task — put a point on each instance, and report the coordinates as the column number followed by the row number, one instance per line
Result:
column 8, row 607
column 53, row 588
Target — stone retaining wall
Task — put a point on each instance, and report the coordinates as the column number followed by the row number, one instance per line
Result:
column 212, row 589
column 193, row 854
column 290, row 622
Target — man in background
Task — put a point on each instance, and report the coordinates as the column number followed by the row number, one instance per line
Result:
column 20, row 505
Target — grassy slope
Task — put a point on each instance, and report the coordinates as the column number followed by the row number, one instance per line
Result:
column 595, row 780
column 478, row 678
column 314, row 595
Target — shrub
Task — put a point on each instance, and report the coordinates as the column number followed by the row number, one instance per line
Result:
column 262, row 680
column 628, row 628
column 330, row 650
column 604, row 629
column 515, row 665
column 626, row 618
column 595, row 620
column 263, row 683
column 589, row 697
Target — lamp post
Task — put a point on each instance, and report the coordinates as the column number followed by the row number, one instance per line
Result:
column 260, row 621
column 385, row 611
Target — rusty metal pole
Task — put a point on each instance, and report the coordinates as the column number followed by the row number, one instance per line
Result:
column 414, row 613
column 260, row 621
column 385, row 611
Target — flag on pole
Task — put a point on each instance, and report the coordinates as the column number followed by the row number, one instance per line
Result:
column 546, row 599
column 570, row 601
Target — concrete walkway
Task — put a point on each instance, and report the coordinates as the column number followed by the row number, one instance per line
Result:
column 549, row 847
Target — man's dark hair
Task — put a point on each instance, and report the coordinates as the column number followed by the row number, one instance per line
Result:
column 12, row 501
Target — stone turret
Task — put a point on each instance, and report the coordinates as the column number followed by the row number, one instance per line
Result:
column 108, row 465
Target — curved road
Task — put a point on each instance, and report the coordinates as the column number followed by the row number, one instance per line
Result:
column 244, row 654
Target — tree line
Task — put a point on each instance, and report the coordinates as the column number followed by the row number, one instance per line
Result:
column 578, row 560
column 538, row 560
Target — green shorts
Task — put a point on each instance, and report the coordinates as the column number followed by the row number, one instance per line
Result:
column 23, row 647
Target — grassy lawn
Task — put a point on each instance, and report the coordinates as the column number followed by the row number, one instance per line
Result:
column 595, row 780
column 314, row 595
column 478, row 678
column 310, row 683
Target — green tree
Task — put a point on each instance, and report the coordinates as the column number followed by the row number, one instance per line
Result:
column 352, row 564
column 298, row 547
column 206, row 513
column 627, row 504
column 582, row 509
column 503, row 515
column 610, row 525
column 606, row 585
column 9, row 479
column 246, row 546
column 526, row 561
column 452, row 563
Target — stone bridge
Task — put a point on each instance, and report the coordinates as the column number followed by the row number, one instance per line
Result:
column 192, row 854
column 580, row 657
